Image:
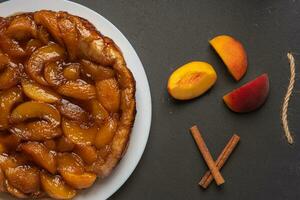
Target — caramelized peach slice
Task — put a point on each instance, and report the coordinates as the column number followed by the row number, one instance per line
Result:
column 9, row 141
column 32, row 45
column 7, row 100
column 232, row 53
column 36, row 131
column 88, row 153
column 191, row 80
column 72, row 111
column 13, row 160
column 43, row 35
column 70, row 36
column 9, row 77
column 48, row 19
column 72, row 71
column 63, row 144
column 106, row 132
column 56, row 188
column 250, row 96
column 96, row 72
column 33, row 109
column 24, row 178
column 51, row 52
column 78, row 89
column 14, row 191
column 22, row 28
column 40, row 155
column 53, row 73
column 98, row 111
column 11, row 47
column 70, row 162
column 78, row 133
column 79, row 181
column 108, row 94
column 39, row 92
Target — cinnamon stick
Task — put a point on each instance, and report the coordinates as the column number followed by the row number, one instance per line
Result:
column 206, row 155
column 225, row 154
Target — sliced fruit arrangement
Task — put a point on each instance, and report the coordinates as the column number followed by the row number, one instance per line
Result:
column 232, row 53
column 250, row 96
column 191, row 80
column 67, row 105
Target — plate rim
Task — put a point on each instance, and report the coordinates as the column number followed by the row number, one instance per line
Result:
column 23, row 7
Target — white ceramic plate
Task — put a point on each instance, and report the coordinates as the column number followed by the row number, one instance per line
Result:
column 104, row 188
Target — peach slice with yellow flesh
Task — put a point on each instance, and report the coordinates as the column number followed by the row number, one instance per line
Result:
column 191, row 80
column 96, row 72
column 78, row 89
column 40, row 155
column 78, row 133
column 232, row 53
column 50, row 144
column 53, row 73
column 79, row 181
column 56, row 188
column 99, row 113
column 108, row 94
column 49, row 53
column 72, row 71
column 69, row 162
column 39, row 93
column 24, row 178
column 13, row 160
column 106, row 132
column 88, row 153
column 7, row 100
column 34, row 109
column 36, row 131
column 250, row 96
column 22, row 28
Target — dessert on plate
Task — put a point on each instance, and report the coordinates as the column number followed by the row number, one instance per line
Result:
column 67, row 105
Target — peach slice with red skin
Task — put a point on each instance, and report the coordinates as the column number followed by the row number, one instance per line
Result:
column 232, row 53
column 39, row 93
column 40, row 155
column 250, row 96
column 56, row 188
column 191, row 80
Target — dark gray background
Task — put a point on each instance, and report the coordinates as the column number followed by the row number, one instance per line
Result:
column 168, row 34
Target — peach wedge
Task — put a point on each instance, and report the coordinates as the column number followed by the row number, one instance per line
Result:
column 249, row 96
column 232, row 53
column 191, row 80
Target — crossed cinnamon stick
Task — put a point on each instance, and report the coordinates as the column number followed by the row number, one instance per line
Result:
column 214, row 167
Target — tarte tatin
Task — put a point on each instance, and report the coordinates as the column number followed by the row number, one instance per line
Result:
column 67, row 105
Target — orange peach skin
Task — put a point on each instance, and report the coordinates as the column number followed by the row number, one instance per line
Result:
column 250, row 96
column 232, row 53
